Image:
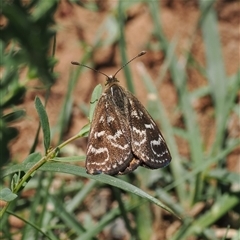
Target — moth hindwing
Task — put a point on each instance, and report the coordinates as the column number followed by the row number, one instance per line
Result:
column 123, row 135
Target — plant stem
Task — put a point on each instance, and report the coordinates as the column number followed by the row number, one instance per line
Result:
column 50, row 155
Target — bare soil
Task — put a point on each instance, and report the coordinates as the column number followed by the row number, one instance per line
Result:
column 178, row 19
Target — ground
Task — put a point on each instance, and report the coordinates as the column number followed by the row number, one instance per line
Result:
column 178, row 19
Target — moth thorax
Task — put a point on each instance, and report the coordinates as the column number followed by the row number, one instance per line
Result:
column 119, row 97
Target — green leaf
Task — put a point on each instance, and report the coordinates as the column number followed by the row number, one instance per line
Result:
column 84, row 131
column 94, row 100
column 14, row 97
column 32, row 158
column 34, row 44
column 13, row 116
column 69, row 159
column 80, row 171
column 224, row 176
column 44, row 122
column 6, row 135
column 7, row 195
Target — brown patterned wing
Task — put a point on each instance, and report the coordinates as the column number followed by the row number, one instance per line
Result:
column 147, row 141
column 109, row 148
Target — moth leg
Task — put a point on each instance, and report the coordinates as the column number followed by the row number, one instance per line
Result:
column 132, row 166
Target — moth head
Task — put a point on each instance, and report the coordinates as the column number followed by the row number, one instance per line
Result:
column 110, row 80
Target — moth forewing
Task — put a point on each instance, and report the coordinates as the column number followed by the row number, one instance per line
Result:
column 109, row 149
column 147, row 141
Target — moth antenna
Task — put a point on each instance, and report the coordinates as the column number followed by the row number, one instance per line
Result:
column 80, row 64
column 139, row 55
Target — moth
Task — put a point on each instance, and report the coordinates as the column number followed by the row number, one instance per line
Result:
column 123, row 135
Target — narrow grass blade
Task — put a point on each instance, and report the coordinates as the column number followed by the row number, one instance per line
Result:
column 68, row 218
column 179, row 78
column 122, row 45
column 216, row 74
column 34, row 226
column 117, row 194
column 80, row 196
column 28, row 232
column 204, row 166
column 215, row 66
column 108, row 218
column 175, row 165
column 66, row 110
column 223, row 204
column 79, row 171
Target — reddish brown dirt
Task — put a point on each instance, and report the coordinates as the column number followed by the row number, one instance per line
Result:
column 178, row 20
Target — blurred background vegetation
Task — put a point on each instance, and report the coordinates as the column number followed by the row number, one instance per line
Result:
column 189, row 80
